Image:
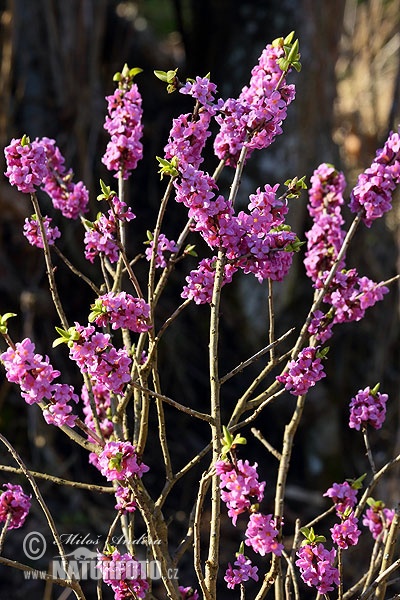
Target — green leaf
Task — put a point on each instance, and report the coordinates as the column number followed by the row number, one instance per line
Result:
column 66, row 336
column 162, row 75
column 190, row 249
column 3, row 322
column 107, row 193
column 375, row 390
column 323, row 352
column 168, row 167
column 357, row 484
column 25, row 140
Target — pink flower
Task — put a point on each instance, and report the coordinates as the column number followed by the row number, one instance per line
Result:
column 262, row 534
column 259, row 110
column 32, row 231
column 188, row 593
column 118, row 460
column 367, row 408
column 59, row 412
column 303, row 372
column 70, row 198
column 346, row 533
column 373, row 193
column 244, row 571
column 14, row 503
column 26, row 164
column 163, row 245
column 239, row 485
column 33, row 373
column 121, row 310
column 122, row 572
column 124, row 124
column 343, row 495
column 125, row 500
column 317, row 568
column 378, row 519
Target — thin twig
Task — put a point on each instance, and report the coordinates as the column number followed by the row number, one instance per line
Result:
column 60, row 481
column 258, row 435
column 255, row 357
column 76, row 271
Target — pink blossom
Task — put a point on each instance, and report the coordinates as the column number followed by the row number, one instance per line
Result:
column 122, row 572
column 163, row 245
column 367, row 408
column 33, row 373
column 346, row 533
column 33, row 235
column 59, row 411
column 317, row 568
column 243, row 572
column 26, row 164
column 121, row 310
column 326, row 235
column 258, row 113
column 373, row 193
column 124, row 124
column 118, row 460
column 14, row 504
column 378, row 519
column 343, row 495
column 188, row 593
column 239, row 485
column 303, row 372
column 70, row 198
column 125, row 500
column 262, row 534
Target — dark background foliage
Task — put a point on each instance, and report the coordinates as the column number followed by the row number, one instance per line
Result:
column 57, row 60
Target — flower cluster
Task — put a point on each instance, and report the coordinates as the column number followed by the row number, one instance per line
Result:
column 26, row 164
column 101, row 235
column 118, row 460
column 70, row 198
column 303, row 372
column 378, row 519
column 256, row 116
column 368, row 407
column 343, row 495
column 326, row 236
column 34, row 375
column 121, row 310
column 33, row 234
column 59, row 411
column 125, row 500
column 262, row 534
column 242, row 486
column 94, row 354
column 200, row 281
column 14, row 505
column 243, row 572
column 346, row 533
column 372, row 196
column 122, row 572
column 124, row 124
column 317, row 569
column 350, row 295
column 189, row 134
column 163, row 245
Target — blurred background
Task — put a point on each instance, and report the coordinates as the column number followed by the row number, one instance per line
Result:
column 57, row 60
